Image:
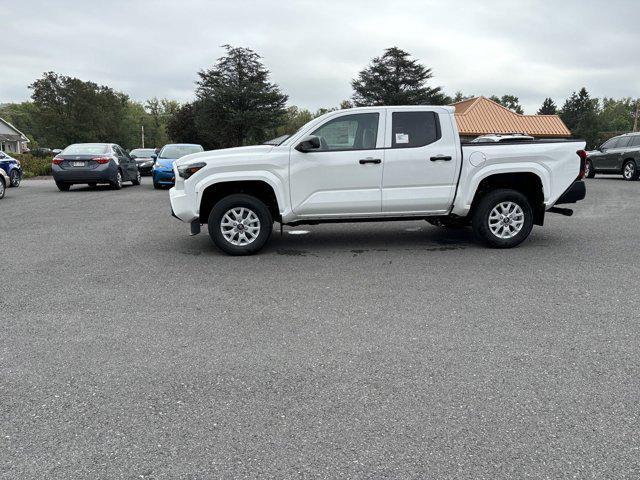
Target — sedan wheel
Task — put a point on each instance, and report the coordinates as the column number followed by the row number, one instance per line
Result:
column 116, row 184
column 629, row 171
column 138, row 179
column 2, row 189
column 14, row 178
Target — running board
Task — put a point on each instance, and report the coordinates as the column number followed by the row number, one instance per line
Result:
column 567, row 212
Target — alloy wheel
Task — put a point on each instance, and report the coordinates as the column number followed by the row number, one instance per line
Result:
column 629, row 170
column 240, row 226
column 506, row 220
column 15, row 179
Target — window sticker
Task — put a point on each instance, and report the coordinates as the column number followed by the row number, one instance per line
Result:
column 402, row 138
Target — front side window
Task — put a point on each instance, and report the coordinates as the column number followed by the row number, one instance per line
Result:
column 414, row 129
column 613, row 143
column 624, row 142
column 349, row 132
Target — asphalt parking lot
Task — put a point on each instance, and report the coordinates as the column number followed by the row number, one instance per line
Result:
column 387, row 350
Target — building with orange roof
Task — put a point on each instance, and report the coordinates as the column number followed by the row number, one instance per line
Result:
column 481, row 116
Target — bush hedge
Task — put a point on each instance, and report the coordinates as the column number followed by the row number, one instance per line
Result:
column 34, row 166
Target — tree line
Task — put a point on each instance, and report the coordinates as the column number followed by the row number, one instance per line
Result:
column 236, row 103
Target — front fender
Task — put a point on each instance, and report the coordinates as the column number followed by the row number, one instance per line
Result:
column 275, row 182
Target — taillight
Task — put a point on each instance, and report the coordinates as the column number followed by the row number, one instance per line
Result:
column 101, row 160
column 57, row 160
column 583, row 161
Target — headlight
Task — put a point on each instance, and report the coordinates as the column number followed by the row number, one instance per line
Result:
column 185, row 171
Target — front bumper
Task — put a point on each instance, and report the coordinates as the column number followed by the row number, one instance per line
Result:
column 576, row 192
column 163, row 177
column 182, row 206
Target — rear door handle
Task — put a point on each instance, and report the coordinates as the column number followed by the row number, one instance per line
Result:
column 445, row 158
column 370, row 160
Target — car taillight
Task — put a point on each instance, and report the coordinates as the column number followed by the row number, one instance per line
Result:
column 57, row 160
column 583, row 161
column 101, row 160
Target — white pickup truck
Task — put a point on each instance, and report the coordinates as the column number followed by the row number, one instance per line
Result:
column 372, row 164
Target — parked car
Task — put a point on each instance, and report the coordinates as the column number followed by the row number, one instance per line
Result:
column 12, row 168
column 332, row 170
column 94, row 163
column 144, row 158
column 4, row 183
column 619, row 154
column 503, row 138
column 163, row 168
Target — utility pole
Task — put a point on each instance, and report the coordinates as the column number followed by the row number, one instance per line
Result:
column 142, row 127
column 635, row 117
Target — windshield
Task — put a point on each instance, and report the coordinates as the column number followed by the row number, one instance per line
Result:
column 277, row 141
column 86, row 149
column 143, row 152
column 179, row 151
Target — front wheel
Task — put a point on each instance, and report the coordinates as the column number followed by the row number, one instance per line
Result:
column 14, row 178
column 2, row 188
column 240, row 224
column 630, row 171
column 503, row 218
column 138, row 179
column 589, row 171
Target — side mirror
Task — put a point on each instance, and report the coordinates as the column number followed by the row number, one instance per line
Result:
column 309, row 144
column 133, row 157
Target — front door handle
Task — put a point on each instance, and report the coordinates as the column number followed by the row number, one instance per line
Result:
column 370, row 160
column 445, row 158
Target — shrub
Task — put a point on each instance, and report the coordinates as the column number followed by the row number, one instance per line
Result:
column 34, row 166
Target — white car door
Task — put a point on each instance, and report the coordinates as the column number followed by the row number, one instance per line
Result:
column 343, row 177
column 421, row 162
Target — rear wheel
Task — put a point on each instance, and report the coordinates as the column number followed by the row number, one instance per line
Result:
column 589, row 171
column 14, row 178
column 503, row 218
column 63, row 187
column 116, row 183
column 629, row 170
column 240, row 224
column 138, row 179
column 2, row 188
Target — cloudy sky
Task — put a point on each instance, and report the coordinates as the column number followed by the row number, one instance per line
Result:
column 529, row 48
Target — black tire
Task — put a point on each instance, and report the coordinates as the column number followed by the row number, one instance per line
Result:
column 157, row 186
column 486, row 206
column 63, row 187
column 630, row 171
column 14, row 178
column 239, row 201
column 590, row 172
column 3, row 188
column 116, row 183
column 138, row 179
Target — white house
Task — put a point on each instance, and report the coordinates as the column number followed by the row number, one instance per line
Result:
column 12, row 140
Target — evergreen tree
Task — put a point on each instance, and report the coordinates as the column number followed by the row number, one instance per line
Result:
column 548, row 107
column 509, row 101
column 236, row 104
column 395, row 79
column 580, row 115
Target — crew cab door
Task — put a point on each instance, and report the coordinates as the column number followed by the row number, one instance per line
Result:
column 422, row 162
column 344, row 175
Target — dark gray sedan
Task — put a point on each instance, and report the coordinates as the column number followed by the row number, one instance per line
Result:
column 94, row 163
column 145, row 158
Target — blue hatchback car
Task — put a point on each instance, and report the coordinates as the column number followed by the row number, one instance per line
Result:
column 12, row 168
column 163, row 167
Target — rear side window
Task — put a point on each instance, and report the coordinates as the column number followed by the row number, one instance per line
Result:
column 414, row 129
column 635, row 141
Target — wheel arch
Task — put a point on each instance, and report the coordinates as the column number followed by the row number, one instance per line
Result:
column 256, row 187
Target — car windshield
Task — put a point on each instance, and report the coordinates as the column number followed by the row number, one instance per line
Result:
column 143, row 152
column 179, row 151
column 86, row 149
column 277, row 141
